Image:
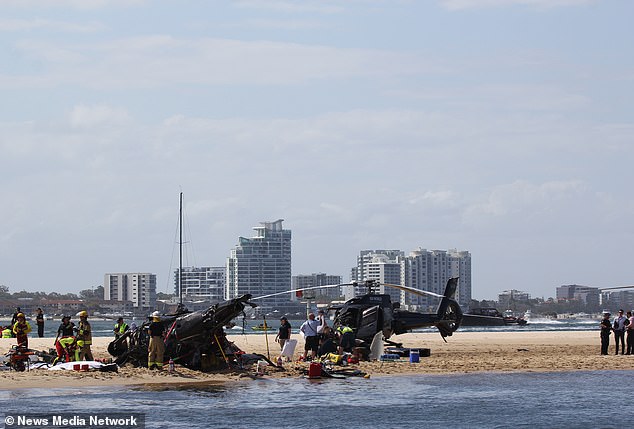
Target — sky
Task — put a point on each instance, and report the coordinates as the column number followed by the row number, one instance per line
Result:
column 500, row 127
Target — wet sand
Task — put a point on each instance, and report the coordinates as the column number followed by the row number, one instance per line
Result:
column 521, row 351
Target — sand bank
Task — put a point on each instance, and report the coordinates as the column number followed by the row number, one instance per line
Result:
column 464, row 352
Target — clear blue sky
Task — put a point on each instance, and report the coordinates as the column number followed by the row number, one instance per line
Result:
column 501, row 127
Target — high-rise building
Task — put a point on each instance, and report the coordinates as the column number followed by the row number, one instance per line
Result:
column 429, row 270
column 137, row 288
column 426, row 270
column 314, row 280
column 383, row 266
column 261, row 265
column 202, row 283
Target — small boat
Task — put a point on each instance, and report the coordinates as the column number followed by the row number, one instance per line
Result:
column 488, row 316
column 263, row 327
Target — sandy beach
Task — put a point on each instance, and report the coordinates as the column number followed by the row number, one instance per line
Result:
column 464, row 352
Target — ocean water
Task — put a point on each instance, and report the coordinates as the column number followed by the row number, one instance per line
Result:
column 103, row 328
column 530, row 400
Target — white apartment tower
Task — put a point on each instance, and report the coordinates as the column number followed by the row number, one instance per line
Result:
column 314, row 280
column 137, row 288
column 381, row 265
column 430, row 270
column 202, row 283
column 261, row 265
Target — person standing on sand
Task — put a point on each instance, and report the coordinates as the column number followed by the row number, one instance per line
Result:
column 21, row 328
column 84, row 338
column 309, row 330
column 39, row 319
column 606, row 328
column 14, row 318
column 629, row 350
column 156, row 349
column 619, row 331
column 283, row 333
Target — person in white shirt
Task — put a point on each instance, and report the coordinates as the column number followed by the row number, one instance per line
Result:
column 321, row 318
column 311, row 337
column 619, row 331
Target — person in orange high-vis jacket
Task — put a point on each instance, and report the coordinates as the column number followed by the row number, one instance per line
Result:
column 21, row 328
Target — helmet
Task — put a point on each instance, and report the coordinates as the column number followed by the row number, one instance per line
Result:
column 20, row 315
column 83, row 313
column 156, row 314
column 66, row 316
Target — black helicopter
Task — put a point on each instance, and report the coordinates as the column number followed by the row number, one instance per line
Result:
column 369, row 314
column 195, row 340
column 372, row 313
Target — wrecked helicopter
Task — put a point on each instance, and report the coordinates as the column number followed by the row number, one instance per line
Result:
column 195, row 340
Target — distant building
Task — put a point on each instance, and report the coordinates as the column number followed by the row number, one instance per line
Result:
column 427, row 270
column 509, row 297
column 137, row 288
column 585, row 294
column 313, row 280
column 202, row 283
column 261, row 265
column 384, row 266
column 621, row 299
column 381, row 265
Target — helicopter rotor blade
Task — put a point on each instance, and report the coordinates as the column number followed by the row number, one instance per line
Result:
column 301, row 290
column 414, row 291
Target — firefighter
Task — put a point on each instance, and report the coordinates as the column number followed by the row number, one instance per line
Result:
column 84, row 338
column 21, row 328
column 156, row 347
column 65, row 341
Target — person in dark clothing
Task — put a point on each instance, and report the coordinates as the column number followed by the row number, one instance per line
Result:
column 629, row 349
column 283, row 333
column 327, row 342
column 346, row 339
column 156, row 349
column 606, row 329
column 15, row 319
column 39, row 319
column 65, row 342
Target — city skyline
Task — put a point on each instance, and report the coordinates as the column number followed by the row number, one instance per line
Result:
column 501, row 127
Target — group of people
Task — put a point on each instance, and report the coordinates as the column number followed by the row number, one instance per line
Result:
column 623, row 328
column 319, row 338
column 20, row 327
column 73, row 343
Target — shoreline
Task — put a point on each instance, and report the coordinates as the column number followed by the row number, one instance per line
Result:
column 464, row 352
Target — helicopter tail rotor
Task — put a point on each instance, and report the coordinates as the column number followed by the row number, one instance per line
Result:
column 449, row 311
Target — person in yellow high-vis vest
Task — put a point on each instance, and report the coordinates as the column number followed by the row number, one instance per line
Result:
column 84, row 338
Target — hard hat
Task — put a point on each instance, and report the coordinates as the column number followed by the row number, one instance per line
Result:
column 83, row 313
column 20, row 315
column 65, row 316
column 156, row 314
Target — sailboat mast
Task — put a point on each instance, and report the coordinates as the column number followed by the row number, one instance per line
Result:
column 180, row 251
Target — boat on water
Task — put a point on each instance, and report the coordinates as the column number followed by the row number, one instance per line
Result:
column 489, row 316
column 263, row 327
